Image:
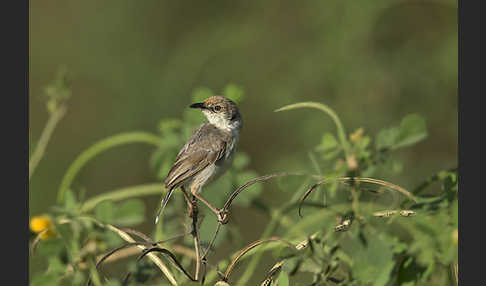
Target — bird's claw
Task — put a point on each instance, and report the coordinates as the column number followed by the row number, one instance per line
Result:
column 223, row 216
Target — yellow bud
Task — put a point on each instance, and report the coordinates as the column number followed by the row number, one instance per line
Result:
column 356, row 135
column 43, row 226
column 40, row 223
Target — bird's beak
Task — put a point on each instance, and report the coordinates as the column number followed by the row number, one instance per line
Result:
column 200, row 105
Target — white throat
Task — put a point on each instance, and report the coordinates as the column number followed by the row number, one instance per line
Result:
column 221, row 122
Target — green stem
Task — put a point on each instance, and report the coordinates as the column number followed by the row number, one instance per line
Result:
column 51, row 124
column 340, row 129
column 124, row 193
column 94, row 150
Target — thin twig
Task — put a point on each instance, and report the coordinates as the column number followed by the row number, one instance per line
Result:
column 152, row 256
column 37, row 240
column 212, row 241
column 172, row 257
column 275, row 270
column 46, row 134
column 250, row 247
column 248, row 184
column 359, row 179
column 195, row 233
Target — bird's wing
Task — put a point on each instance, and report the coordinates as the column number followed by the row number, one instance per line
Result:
column 206, row 146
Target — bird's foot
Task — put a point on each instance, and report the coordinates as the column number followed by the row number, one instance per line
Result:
column 192, row 210
column 223, row 216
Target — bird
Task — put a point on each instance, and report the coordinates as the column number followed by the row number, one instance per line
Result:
column 208, row 153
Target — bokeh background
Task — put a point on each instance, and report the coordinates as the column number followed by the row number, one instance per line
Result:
column 133, row 63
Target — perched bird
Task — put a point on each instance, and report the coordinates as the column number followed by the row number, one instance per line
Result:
column 208, row 152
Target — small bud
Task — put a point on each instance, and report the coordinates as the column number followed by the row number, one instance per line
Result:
column 356, row 135
column 351, row 162
column 407, row 213
column 385, row 213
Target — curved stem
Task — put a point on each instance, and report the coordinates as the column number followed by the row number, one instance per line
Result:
column 94, row 150
column 125, row 236
column 124, row 193
column 340, row 129
column 250, row 269
column 152, row 256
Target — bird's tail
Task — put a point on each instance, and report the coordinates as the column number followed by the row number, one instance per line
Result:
column 163, row 203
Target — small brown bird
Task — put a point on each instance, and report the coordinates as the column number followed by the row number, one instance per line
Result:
column 208, row 153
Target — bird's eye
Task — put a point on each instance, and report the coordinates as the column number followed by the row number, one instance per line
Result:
column 217, row 108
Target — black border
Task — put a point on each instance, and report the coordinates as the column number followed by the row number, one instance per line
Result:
column 14, row 23
column 471, row 125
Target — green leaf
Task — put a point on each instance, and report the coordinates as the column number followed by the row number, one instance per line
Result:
column 363, row 143
column 69, row 234
column 105, row 211
column 412, row 130
column 55, row 265
column 386, row 138
column 328, row 141
column 283, row 279
column 329, row 146
column 373, row 262
column 53, row 274
column 409, row 272
column 50, row 247
column 45, row 279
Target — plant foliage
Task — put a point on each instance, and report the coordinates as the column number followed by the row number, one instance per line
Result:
column 355, row 229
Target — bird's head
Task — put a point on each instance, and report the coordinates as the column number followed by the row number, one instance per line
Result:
column 221, row 112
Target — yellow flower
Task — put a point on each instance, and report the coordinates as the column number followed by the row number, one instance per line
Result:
column 42, row 225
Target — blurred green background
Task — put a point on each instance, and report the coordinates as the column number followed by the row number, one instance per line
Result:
column 133, row 63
